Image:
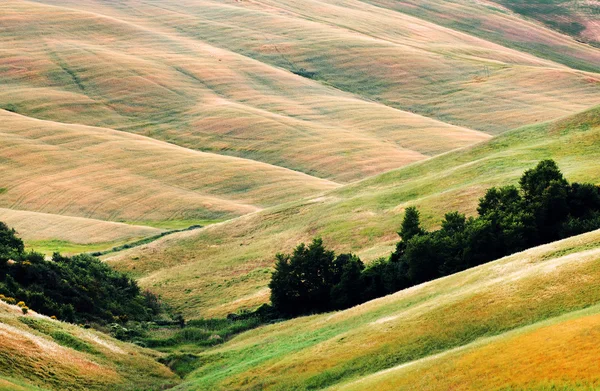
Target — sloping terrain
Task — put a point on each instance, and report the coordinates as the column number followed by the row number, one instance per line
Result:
column 106, row 174
column 103, row 71
column 49, row 233
column 377, row 53
column 37, row 351
column 224, row 267
column 580, row 19
column 492, row 21
column 336, row 90
column 527, row 321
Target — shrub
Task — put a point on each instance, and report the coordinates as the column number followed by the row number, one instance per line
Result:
column 78, row 289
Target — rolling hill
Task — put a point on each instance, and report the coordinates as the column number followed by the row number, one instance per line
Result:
column 41, row 354
column 225, row 267
column 339, row 91
column 528, row 321
column 271, row 122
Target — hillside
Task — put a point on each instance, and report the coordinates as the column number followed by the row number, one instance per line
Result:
column 208, row 53
column 38, row 353
column 190, row 141
column 113, row 72
column 194, row 112
column 49, row 233
column 106, row 174
column 573, row 17
column 528, row 321
column 225, row 267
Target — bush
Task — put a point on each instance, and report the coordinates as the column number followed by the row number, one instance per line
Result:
column 79, row 289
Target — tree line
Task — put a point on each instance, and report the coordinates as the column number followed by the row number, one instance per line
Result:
column 544, row 207
column 78, row 289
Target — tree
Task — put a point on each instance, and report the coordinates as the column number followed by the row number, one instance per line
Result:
column 411, row 227
column 411, row 224
column 536, row 180
column 10, row 244
column 348, row 287
column 302, row 282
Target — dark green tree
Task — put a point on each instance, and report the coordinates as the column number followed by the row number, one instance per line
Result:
column 410, row 227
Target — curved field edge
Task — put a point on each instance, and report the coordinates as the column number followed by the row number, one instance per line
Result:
column 37, row 351
column 557, row 354
column 48, row 233
column 331, row 349
column 111, row 175
column 225, row 267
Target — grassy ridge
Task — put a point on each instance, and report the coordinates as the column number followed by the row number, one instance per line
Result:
column 48, row 233
column 389, row 57
column 105, row 174
column 224, row 267
column 572, row 17
column 38, row 351
column 558, row 354
column 122, row 71
column 495, row 22
column 331, row 349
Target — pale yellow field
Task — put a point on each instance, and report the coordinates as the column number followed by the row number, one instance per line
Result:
column 390, row 57
column 337, row 90
column 100, row 173
column 192, row 93
column 43, row 226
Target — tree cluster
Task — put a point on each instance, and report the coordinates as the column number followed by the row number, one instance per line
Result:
column 544, row 208
column 77, row 289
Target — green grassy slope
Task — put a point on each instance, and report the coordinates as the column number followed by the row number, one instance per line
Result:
column 226, row 266
column 492, row 21
column 579, row 19
column 37, row 351
column 343, row 350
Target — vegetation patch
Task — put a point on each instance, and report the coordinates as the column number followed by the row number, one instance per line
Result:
column 544, row 209
column 79, row 289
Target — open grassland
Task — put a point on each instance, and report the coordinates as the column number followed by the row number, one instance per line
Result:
column 38, row 351
column 387, row 56
column 337, row 349
column 138, row 76
column 49, row 233
column 104, row 174
column 491, row 20
column 577, row 18
column 560, row 354
column 248, row 96
column 226, row 266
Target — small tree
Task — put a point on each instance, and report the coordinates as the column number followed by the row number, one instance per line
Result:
column 411, row 224
column 411, row 227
